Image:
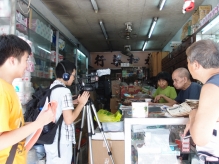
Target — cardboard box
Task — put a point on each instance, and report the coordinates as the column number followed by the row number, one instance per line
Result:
column 115, row 86
column 114, row 103
column 186, row 30
column 114, row 111
column 100, row 153
column 109, row 135
column 200, row 13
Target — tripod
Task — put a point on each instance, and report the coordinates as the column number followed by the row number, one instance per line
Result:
column 87, row 108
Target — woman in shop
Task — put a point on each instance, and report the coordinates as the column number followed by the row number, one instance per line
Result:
column 164, row 81
column 203, row 64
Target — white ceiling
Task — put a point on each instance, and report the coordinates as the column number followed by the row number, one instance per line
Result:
column 81, row 20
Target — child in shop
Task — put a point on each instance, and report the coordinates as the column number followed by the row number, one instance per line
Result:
column 164, row 88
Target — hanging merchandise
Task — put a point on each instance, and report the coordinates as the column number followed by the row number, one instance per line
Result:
column 188, row 6
column 23, row 86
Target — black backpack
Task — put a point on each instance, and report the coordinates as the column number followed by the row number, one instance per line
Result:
column 33, row 108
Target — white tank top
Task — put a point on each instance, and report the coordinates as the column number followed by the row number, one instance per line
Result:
column 213, row 146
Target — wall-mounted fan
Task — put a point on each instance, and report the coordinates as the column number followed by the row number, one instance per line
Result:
column 128, row 33
column 127, row 50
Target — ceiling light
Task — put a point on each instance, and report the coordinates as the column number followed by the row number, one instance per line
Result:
column 152, row 27
column 210, row 25
column 94, row 4
column 103, row 29
column 145, row 44
column 44, row 49
column 81, row 53
column 161, row 4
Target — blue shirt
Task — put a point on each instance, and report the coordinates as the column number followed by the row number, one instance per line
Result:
column 192, row 92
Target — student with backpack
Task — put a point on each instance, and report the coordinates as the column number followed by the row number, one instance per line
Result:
column 14, row 53
column 65, row 75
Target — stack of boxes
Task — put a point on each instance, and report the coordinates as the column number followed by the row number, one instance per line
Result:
column 200, row 13
column 191, row 26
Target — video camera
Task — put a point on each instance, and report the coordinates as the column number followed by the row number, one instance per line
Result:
column 91, row 80
column 89, row 84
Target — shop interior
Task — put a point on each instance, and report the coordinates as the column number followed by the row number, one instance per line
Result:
column 118, row 47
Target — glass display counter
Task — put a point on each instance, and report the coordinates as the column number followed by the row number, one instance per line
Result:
column 142, row 133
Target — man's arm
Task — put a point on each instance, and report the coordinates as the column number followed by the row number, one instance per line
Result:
column 203, row 121
column 70, row 115
column 9, row 138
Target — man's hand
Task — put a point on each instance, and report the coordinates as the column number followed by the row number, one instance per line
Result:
column 45, row 117
column 191, row 119
column 186, row 129
column 75, row 101
column 82, row 99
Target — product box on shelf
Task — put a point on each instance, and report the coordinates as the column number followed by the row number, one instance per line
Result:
column 100, row 153
column 200, row 13
column 186, row 30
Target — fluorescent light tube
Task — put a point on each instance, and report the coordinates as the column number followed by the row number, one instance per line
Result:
column 145, row 44
column 103, row 29
column 94, row 4
column 44, row 49
column 81, row 53
column 210, row 25
column 162, row 2
column 152, row 27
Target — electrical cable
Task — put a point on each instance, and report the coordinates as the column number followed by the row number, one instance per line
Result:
column 28, row 7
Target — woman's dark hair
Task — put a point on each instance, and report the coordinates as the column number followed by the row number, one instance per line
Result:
column 68, row 67
column 11, row 45
column 165, row 76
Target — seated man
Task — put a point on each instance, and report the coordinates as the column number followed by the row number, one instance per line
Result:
column 188, row 89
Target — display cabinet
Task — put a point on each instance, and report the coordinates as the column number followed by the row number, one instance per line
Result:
column 39, row 34
column 136, row 138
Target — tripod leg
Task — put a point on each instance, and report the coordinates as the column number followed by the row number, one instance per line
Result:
column 91, row 120
column 89, row 134
column 80, row 136
column 101, row 130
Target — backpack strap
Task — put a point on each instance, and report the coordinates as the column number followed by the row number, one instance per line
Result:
column 59, row 123
column 51, row 89
column 12, row 152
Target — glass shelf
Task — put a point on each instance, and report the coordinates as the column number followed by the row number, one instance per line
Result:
column 4, row 21
column 42, row 78
column 42, row 58
column 37, row 39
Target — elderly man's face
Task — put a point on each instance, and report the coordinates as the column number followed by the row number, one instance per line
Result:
column 178, row 82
